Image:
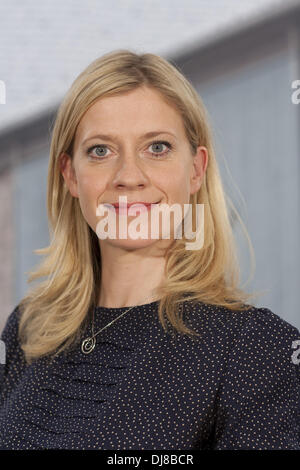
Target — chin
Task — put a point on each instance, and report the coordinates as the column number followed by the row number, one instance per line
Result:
column 129, row 244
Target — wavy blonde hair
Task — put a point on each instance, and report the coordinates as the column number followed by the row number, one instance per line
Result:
column 54, row 312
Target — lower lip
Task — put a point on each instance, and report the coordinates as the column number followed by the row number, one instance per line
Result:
column 138, row 208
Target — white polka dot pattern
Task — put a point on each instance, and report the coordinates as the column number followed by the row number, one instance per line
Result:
column 234, row 387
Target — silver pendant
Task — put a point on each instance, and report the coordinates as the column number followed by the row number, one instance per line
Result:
column 88, row 345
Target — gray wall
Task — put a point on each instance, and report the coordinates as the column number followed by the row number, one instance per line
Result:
column 256, row 129
column 30, row 218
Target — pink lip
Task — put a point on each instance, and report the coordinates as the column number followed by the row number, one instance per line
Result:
column 143, row 206
column 132, row 203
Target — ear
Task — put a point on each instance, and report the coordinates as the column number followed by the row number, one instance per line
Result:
column 200, row 161
column 68, row 172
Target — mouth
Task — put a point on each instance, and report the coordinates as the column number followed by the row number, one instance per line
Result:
column 133, row 203
column 142, row 206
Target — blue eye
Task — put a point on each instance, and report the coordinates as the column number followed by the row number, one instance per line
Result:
column 159, row 143
column 89, row 150
column 100, row 155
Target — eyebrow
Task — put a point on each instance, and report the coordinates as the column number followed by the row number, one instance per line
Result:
column 111, row 138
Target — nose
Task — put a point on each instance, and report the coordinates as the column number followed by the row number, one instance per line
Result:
column 129, row 173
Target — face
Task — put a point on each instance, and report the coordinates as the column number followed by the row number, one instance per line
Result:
column 132, row 145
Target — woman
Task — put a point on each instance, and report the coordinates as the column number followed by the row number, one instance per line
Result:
column 141, row 343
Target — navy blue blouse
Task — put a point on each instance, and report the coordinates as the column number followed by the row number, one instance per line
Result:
column 237, row 386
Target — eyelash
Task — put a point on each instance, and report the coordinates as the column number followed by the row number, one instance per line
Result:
column 170, row 147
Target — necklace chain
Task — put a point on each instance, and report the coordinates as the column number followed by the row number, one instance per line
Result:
column 89, row 343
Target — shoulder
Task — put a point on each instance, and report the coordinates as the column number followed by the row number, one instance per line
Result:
column 255, row 328
column 218, row 316
column 10, row 331
column 14, row 361
column 10, row 338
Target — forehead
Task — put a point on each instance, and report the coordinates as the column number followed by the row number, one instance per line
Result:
column 135, row 112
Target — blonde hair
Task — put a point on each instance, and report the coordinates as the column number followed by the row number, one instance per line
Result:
column 54, row 312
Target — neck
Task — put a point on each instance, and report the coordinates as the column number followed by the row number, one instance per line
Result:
column 130, row 278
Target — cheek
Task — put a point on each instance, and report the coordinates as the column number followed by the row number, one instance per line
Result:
column 90, row 183
column 175, row 184
column 90, row 188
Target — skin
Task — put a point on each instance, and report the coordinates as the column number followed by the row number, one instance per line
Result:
column 128, row 166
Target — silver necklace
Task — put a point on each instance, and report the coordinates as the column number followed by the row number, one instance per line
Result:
column 89, row 343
